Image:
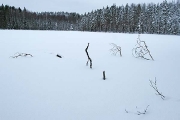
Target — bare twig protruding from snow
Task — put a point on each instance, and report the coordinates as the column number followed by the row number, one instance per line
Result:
column 141, row 50
column 144, row 112
column 59, row 56
column 104, row 75
column 89, row 59
column 115, row 49
column 153, row 85
column 21, row 55
column 126, row 111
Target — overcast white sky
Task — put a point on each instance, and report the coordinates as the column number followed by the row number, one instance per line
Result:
column 79, row 6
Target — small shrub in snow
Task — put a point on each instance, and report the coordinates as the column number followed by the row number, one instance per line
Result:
column 115, row 49
column 153, row 85
column 143, row 112
column 16, row 55
column 139, row 112
column 141, row 50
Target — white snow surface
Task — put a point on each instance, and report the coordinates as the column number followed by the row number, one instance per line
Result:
column 45, row 87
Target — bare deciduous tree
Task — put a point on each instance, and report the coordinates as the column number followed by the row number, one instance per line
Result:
column 115, row 49
column 141, row 50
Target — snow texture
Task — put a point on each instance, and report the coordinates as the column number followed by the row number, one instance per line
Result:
column 46, row 87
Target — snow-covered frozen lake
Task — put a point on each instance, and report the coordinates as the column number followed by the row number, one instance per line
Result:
column 45, row 87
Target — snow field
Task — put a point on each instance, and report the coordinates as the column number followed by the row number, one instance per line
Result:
column 45, row 87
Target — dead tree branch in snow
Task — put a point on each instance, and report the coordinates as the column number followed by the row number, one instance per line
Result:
column 153, row 85
column 144, row 112
column 89, row 59
column 59, row 56
column 104, row 76
column 126, row 111
column 115, row 49
column 141, row 50
column 16, row 55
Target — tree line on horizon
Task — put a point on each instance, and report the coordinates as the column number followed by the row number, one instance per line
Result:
column 161, row 18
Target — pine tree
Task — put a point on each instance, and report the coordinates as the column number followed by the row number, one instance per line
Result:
column 3, row 23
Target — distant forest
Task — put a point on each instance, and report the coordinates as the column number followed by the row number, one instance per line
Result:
column 161, row 18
